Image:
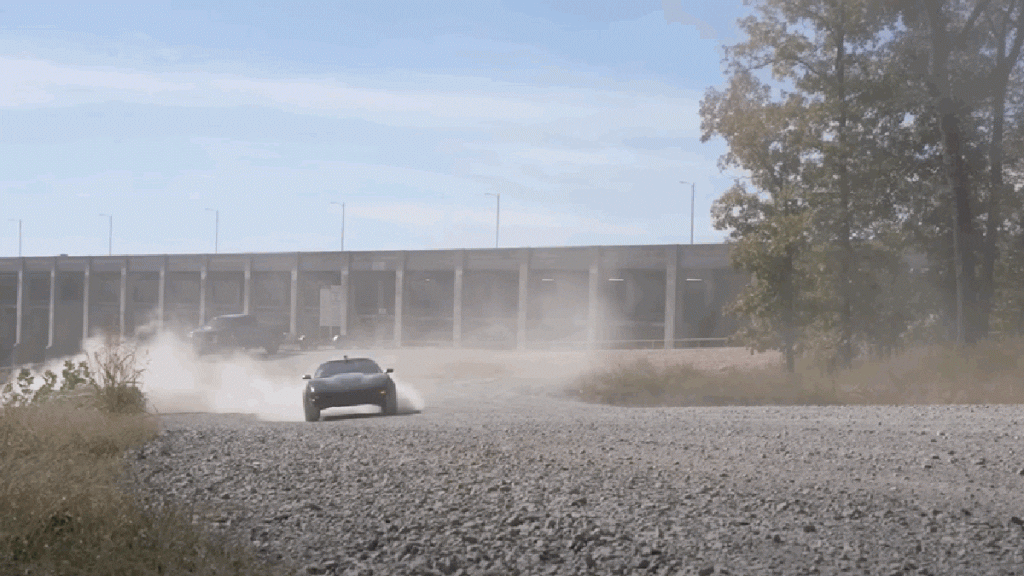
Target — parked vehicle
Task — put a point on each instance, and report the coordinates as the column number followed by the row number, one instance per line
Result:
column 235, row 331
column 311, row 342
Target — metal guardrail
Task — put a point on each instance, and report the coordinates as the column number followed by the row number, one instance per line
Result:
column 659, row 343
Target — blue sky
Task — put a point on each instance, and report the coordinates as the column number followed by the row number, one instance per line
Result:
column 581, row 114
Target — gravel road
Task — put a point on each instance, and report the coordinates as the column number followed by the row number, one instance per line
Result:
column 501, row 474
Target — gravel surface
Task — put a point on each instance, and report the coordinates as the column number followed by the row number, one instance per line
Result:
column 499, row 475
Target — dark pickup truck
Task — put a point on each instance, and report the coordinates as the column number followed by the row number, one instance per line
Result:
column 233, row 331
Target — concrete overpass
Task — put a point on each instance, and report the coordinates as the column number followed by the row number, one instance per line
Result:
column 593, row 296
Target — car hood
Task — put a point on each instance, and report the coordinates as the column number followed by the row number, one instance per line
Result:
column 348, row 381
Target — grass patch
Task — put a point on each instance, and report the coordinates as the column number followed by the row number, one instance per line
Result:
column 642, row 382
column 67, row 504
column 991, row 372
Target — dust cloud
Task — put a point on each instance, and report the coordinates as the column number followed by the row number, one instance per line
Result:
column 270, row 386
column 237, row 382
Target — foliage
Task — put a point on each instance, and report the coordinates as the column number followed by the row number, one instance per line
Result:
column 68, row 507
column 867, row 132
column 118, row 373
column 21, row 390
column 110, row 378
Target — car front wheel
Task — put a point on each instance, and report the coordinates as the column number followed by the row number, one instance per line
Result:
column 389, row 407
column 312, row 412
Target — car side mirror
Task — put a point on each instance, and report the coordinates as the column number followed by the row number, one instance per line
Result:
column 307, row 377
column 389, row 370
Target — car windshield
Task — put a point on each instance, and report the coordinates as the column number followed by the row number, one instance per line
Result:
column 354, row 365
column 219, row 323
column 229, row 321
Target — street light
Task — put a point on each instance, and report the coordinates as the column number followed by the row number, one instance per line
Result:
column 497, row 215
column 692, row 186
column 342, row 204
column 18, row 220
column 216, row 228
column 110, row 235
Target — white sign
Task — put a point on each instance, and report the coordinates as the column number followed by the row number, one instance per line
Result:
column 333, row 311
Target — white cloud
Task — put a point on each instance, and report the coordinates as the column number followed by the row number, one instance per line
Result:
column 556, row 153
column 34, row 82
column 418, row 101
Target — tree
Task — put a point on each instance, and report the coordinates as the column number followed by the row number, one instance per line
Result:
column 769, row 227
column 826, row 55
column 1003, row 26
column 967, row 51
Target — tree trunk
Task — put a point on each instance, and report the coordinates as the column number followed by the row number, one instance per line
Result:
column 789, row 311
column 845, row 352
column 1006, row 61
column 956, row 171
column 986, row 284
column 963, row 236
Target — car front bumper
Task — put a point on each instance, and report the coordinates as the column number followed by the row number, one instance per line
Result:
column 326, row 398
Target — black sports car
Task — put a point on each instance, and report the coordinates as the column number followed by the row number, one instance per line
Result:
column 349, row 382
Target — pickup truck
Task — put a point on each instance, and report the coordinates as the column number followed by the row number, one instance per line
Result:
column 233, row 331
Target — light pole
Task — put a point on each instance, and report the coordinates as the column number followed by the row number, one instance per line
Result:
column 692, row 186
column 342, row 204
column 216, row 228
column 110, row 235
column 497, row 215
column 18, row 220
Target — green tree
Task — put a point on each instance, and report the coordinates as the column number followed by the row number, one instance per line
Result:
column 769, row 225
column 1003, row 27
column 827, row 58
column 964, row 53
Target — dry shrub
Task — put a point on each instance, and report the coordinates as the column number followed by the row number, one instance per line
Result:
column 66, row 509
column 66, row 504
column 117, row 368
column 110, row 378
column 640, row 382
column 991, row 372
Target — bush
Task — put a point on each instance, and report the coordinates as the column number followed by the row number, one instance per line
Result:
column 64, row 506
column 644, row 383
column 991, row 372
column 111, row 378
column 118, row 377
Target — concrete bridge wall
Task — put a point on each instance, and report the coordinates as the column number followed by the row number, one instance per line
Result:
column 573, row 297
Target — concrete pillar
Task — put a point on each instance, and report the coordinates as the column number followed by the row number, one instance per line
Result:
column 293, row 312
column 247, row 288
column 204, row 269
column 86, row 283
column 52, row 324
column 460, row 269
column 681, row 308
column 671, row 294
column 19, row 311
column 593, row 305
column 523, row 308
column 399, row 300
column 161, row 296
column 122, row 304
column 346, row 266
